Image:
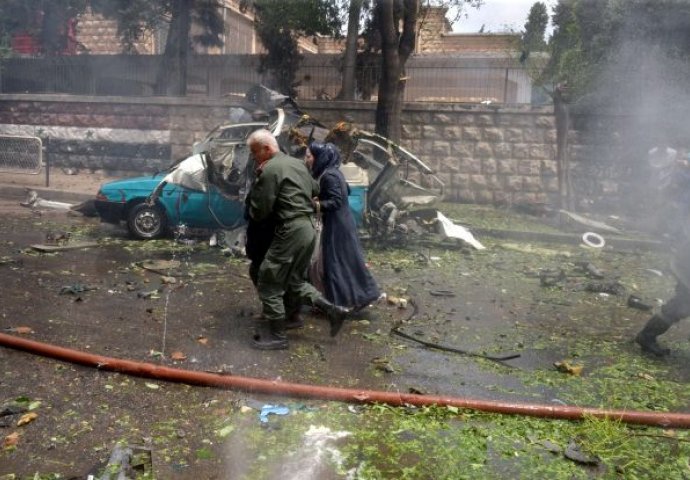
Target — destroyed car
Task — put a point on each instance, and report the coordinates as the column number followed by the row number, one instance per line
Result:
column 207, row 190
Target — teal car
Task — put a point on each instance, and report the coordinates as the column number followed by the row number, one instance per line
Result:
column 207, row 190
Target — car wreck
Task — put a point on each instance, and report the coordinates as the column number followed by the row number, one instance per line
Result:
column 207, row 189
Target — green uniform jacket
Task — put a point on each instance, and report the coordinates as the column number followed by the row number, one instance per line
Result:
column 285, row 189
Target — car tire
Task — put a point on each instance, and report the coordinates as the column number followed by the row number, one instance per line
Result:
column 146, row 221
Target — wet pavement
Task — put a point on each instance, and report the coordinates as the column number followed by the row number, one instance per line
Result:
column 190, row 306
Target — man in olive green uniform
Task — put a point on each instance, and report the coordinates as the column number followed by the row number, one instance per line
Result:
column 285, row 189
column 672, row 311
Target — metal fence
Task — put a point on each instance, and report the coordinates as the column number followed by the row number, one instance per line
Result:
column 429, row 78
column 20, row 154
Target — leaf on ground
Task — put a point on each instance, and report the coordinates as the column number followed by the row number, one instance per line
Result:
column 178, row 356
column 27, row 418
column 11, row 440
column 20, row 330
column 202, row 340
column 152, row 386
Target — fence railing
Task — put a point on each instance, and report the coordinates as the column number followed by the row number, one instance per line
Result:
column 20, row 154
column 448, row 79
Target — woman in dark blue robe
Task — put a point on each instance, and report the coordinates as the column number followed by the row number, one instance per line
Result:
column 346, row 280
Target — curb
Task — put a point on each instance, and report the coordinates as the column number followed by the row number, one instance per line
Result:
column 620, row 243
column 12, row 192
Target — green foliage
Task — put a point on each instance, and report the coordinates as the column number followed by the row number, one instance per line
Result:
column 279, row 24
column 592, row 35
column 535, row 29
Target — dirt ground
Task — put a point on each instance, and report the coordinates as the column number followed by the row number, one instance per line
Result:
column 187, row 305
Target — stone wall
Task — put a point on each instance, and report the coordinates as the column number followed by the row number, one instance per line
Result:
column 484, row 155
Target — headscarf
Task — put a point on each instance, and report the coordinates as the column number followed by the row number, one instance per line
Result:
column 326, row 155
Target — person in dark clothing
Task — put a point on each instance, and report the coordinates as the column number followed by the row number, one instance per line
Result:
column 283, row 190
column 674, row 310
column 346, row 280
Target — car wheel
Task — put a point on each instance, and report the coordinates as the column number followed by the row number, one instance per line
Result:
column 146, row 221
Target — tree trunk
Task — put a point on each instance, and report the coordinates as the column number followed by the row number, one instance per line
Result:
column 562, row 114
column 395, row 49
column 172, row 72
column 347, row 91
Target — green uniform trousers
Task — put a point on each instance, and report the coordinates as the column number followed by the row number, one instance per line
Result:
column 282, row 278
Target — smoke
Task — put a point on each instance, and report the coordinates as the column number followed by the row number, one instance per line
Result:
column 639, row 99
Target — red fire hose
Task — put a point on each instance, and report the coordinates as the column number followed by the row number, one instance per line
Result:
column 254, row 385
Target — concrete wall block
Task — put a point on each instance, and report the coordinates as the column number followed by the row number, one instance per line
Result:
column 550, row 137
column 470, row 165
column 478, row 182
column 452, row 133
column 440, row 149
column 532, row 135
column 489, row 165
column 446, row 165
column 506, row 166
column 502, row 150
column 471, row 134
column 484, row 197
column 494, row 135
column 502, row 198
column 523, row 198
column 461, row 150
column 544, row 121
column 410, row 131
column 431, row 131
column 464, row 195
column 529, row 167
column 513, row 183
column 485, row 120
column 483, row 150
column 520, row 151
column 465, row 119
column 460, row 180
column 549, row 168
column 539, row 152
column 442, row 119
column 532, row 184
column 494, row 182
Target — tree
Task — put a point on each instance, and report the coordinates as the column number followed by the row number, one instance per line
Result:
column 135, row 17
column 596, row 51
column 279, row 24
column 347, row 91
column 535, row 29
column 46, row 20
column 396, row 25
column 396, row 47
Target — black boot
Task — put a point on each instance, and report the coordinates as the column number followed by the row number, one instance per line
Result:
column 336, row 315
column 273, row 339
column 295, row 320
column 647, row 337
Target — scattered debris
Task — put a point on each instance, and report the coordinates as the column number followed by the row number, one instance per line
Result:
column 450, row 230
column 76, row 288
column 593, row 240
column 570, row 218
column 129, row 462
column 27, row 418
column 574, row 452
column 636, row 302
column 267, row 410
column 58, row 247
column 19, row 330
column 613, row 287
column 591, row 270
column 441, row 293
column 33, row 201
column 568, row 367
